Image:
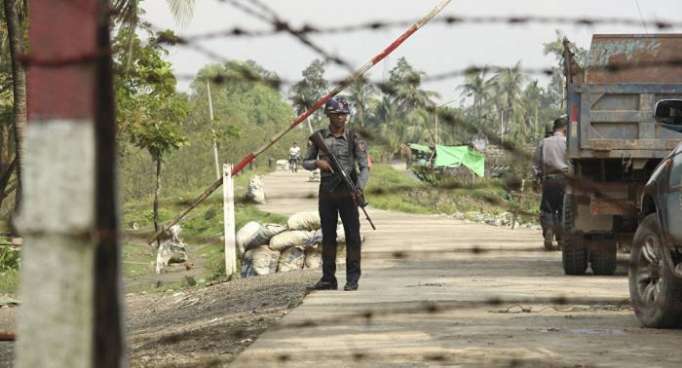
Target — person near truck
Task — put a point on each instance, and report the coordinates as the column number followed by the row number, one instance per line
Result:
column 335, row 199
column 550, row 167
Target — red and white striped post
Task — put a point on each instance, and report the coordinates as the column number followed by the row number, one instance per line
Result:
column 70, row 289
column 250, row 157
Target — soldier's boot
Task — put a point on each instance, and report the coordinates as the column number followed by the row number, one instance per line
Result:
column 328, row 281
column 352, row 275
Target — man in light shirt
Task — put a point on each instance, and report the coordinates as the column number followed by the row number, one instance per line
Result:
column 550, row 166
column 294, row 157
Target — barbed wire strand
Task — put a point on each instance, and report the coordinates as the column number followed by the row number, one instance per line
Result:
column 448, row 21
column 276, row 21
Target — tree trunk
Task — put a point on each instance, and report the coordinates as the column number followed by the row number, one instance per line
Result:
column 361, row 114
column 157, row 190
column 18, row 88
column 4, row 179
column 6, row 147
column 537, row 124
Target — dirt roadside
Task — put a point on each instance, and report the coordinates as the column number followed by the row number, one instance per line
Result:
column 200, row 327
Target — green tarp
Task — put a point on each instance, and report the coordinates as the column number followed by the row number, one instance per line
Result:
column 460, row 155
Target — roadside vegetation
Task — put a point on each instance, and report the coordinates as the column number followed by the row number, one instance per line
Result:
column 403, row 191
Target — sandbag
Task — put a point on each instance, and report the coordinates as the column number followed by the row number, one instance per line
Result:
column 256, row 191
column 313, row 258
column 289, row 239
column 304, row 221
column 171, row 250
column 317, row 236
column 282, row 165
column 314, row 175
column 254, row 234
column 291, row 259
column 259, row 261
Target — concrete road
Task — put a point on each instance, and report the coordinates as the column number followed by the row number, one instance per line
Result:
column 445, row 293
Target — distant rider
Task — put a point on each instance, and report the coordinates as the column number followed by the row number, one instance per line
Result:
column 294, row 157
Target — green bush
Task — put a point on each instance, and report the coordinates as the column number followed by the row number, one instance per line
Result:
column 9, row 258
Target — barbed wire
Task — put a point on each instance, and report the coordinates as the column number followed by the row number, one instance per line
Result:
column 279, row 83
column 447, row 20
column 276, row 21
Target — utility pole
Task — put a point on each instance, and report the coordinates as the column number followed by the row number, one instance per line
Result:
column 70, row 314
column 435, row 117
column 436, row 120
column 215, row 143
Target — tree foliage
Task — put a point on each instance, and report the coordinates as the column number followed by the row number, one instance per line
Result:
column 150, row 110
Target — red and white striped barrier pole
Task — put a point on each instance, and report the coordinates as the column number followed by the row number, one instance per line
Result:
column 301, row 118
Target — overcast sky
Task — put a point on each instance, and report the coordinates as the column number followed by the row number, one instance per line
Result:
column 434, row 49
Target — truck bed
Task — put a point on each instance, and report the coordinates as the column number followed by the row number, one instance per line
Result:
column 611, row 102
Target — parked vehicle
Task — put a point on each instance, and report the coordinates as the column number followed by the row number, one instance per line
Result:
column 656, row 257
column 614, row 142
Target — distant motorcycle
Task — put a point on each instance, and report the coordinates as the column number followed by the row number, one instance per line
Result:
column 293, row 163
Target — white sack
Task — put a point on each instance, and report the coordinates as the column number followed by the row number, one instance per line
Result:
column 304, row 221
column 291, row 259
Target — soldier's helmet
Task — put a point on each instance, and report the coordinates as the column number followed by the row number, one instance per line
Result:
column 337, row 105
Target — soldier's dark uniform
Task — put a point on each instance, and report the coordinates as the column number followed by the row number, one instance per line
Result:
column 335, row 200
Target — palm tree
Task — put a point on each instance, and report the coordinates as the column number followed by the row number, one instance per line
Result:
column 508, row 83
column 361, row 94
column 308, row 90
column 476, row 87
column 127, row 9
column 532, row 100
column 404, row 84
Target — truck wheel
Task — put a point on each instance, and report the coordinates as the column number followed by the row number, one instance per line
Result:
column 604, row 257
column 573, row 250
column 655, row 292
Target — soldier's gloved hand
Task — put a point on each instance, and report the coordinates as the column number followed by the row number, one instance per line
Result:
column 323, row 165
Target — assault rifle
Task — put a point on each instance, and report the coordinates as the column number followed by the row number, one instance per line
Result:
column 358, row 196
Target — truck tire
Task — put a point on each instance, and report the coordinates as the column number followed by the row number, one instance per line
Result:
column 604, row 256
column 655, row 292
column 573, row 250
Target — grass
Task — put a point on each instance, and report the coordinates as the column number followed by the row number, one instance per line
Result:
column 9, row 267
column 202, row 230
column 396, row 190
column 9, row 282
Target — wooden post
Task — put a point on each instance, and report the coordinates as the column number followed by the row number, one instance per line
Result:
column 229, row 220
column 70, row 314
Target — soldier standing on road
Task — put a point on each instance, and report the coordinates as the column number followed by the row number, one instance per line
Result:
column 335, row 199
column 550, row 167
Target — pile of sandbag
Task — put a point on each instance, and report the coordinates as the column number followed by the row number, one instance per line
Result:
column 271, row 248
column 171, row 249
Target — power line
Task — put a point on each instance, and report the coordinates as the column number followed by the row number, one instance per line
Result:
column 641, row 17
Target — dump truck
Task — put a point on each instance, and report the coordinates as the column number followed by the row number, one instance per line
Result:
column 614, row 142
